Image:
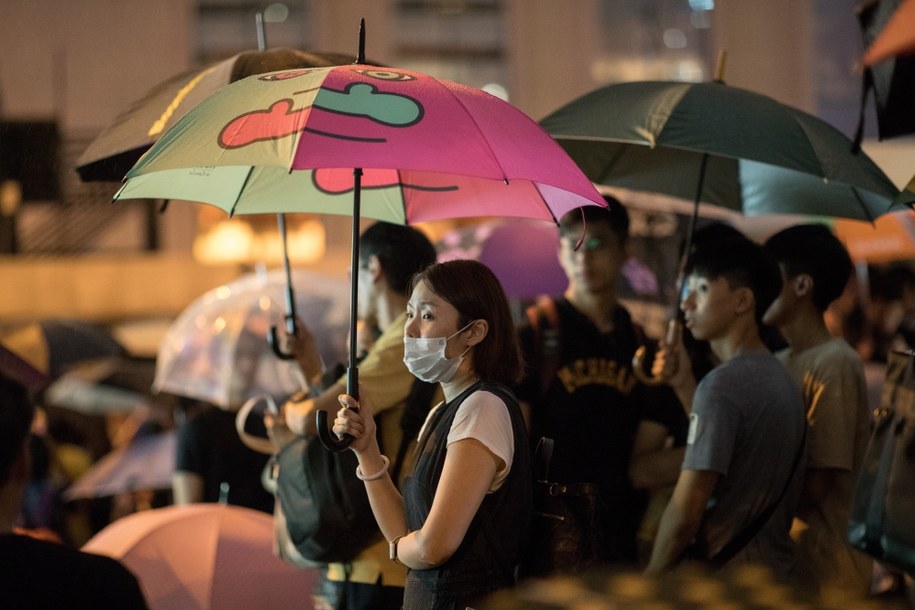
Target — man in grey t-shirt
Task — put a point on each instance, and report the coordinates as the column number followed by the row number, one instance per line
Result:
column 747, row 418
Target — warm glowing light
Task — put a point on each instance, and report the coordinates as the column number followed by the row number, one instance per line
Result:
column 235, row 241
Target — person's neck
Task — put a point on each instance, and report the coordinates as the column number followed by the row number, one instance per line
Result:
column 805, row 330
column 463, row 379
column 742, row 339
column 389, row 306
column 598, row 307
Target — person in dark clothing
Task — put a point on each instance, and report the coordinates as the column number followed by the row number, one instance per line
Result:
column 212, row 464
column 590, row 402
column 38, row 574
column 468, row 499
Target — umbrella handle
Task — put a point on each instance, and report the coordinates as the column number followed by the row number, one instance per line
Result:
column 274, row 340
column 674, row 329
column 328, row 439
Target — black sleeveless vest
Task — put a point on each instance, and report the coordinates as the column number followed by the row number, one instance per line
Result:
column 491, row 549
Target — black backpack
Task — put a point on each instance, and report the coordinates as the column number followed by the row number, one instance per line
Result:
column 322, row 505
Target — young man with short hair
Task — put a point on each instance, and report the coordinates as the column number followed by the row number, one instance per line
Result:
column 815, row 268
column 590, row 403
column 746, row 436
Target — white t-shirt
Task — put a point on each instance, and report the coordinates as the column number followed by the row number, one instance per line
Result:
column 484, row 417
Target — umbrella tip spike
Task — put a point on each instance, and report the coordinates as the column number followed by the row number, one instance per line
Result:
column 360, row 57
column 719, row 65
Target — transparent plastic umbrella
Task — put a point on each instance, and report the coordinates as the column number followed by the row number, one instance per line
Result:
column 217, row 349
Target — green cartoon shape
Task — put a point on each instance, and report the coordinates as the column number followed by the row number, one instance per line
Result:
column 362, row 99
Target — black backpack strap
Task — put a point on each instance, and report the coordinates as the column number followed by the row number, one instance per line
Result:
column 543, row 455
column 416, row 408
column 544, row 320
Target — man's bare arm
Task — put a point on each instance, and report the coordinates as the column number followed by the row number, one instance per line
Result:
column 682, row 518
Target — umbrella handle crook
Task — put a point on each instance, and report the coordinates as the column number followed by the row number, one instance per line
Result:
column 274, row 340
column 328, row 439
column 674, row 328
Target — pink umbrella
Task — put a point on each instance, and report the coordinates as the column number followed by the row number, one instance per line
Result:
column 205, row 556
column 429, row 149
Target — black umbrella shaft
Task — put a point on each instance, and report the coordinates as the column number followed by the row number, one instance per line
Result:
column 287, row 268
column 691, row 229
column 352, row 371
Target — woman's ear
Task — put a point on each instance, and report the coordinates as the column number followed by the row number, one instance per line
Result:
column 478, row 331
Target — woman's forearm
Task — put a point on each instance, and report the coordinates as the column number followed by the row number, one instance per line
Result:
column 386, row 501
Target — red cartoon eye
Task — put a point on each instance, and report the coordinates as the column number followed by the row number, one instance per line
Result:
column 285, row 75
column 386, row 75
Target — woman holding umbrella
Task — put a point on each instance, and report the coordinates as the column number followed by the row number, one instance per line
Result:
column 460, row 525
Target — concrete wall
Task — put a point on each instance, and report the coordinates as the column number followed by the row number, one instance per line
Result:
column 82, row 62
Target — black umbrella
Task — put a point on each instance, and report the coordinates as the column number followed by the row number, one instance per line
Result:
column 52, row 346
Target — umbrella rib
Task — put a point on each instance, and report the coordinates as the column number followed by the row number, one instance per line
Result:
column 867, row 212
column 241, row 190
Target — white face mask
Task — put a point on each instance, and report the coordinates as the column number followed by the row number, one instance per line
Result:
column 425, row 357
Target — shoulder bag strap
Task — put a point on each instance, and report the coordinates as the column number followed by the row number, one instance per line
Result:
column 738, row 542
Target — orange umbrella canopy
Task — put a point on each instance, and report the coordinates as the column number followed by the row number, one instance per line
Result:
column 890, row 238
column 896, row 38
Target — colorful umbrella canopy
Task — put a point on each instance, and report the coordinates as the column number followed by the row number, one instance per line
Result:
column 217, row 350
column 430, row 149
column 203, row 556
column 761, row 156
column 118, row 146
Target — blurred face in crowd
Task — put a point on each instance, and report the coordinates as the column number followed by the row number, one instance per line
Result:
column 595, row 267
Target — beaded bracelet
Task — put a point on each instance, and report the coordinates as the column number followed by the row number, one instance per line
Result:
column 377, row 475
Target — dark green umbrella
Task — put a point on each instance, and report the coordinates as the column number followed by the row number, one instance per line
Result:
column 745, row 151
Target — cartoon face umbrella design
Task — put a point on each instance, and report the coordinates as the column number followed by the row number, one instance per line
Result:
column 357, row 140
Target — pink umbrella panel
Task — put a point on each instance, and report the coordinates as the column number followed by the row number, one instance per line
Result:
column 205, row 556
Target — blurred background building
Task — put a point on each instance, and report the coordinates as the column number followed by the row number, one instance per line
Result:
column 67, row 69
